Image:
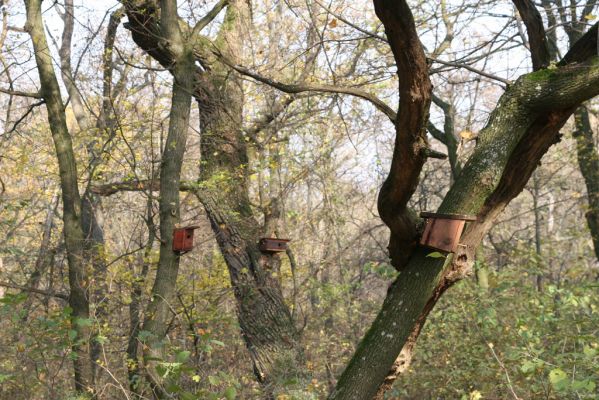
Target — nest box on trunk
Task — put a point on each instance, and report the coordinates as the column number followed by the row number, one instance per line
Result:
column 183, row 239
column 443, row 231
column 273, row 245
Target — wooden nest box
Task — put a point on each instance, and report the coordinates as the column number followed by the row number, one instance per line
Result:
column 273, row 245
column 183, row 239
column 443, row 231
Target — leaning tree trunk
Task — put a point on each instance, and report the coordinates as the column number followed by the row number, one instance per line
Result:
column 74, row 238
column 265, row 320
column 524, row 125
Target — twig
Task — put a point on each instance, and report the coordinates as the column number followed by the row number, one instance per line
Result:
column 507, row 375
column 62, row 296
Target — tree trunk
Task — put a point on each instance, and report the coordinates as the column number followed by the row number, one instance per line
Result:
column 524, row 125
column 588, row 162
column 265, row 320
column 538, row 236
column 74, row 238
column 135, row 307
column 159, row 309
column 90, row 202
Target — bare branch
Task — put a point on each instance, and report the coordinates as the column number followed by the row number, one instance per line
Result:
column 143, row 185
column 539, row 46
column 35, row 95
column 472, row 69
column 201, row 24
column 62, row 296
column 22, row 118
column 299, row 88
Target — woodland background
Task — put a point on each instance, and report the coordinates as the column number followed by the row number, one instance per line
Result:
column 524, row 325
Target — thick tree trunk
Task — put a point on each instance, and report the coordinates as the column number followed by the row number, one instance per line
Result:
column 522, row 127
column 74, row 238
column 265, row 320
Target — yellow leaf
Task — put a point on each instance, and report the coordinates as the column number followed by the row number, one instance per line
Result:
column 467, row 135
column 590, row 17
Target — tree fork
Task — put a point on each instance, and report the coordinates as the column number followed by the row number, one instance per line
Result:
column 523, row 126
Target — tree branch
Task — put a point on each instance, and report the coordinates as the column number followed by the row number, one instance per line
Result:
column 144, row 185
column 209, row 17
column 62, row 296
column 539, row 46
column 299, row 88
column 471, row 69
column 35, row 95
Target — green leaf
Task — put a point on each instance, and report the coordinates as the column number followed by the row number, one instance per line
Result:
column 527, row 366
column 589, row 352
column 558, row 379
column 230, row 393
column 182, row 356
column 436, row 254
column 72, row 334
column 213, row 380
column 83, row 321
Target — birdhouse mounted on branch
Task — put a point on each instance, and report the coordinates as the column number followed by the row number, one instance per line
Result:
column 273, row 245
column 443, row 231
column 183, row 239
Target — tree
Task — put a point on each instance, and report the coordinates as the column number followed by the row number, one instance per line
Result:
column 71, row 200
column 524, row 125
column 265, row 320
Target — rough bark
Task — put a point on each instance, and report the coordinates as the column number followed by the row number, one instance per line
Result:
column 524, row 125
column 265, row 320
column 73, row 234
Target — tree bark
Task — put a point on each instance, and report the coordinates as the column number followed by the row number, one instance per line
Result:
column 74, row 238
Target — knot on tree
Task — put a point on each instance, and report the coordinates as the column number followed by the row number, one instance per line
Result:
column 461, row 264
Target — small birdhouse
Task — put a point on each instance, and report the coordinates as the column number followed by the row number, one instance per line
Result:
column 273, row 245
column 443, row 231
column 183, row 239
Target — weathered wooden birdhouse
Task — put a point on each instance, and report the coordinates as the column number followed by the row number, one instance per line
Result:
column 273, row 245
column 183, row 238
column 443, row 231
